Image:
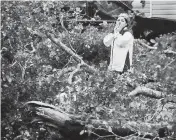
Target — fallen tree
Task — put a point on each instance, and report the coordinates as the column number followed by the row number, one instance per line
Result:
column 81, row 127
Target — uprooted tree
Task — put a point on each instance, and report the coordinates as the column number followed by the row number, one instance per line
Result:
column 67, row 67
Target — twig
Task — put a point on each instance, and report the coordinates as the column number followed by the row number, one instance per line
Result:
column 65, row 70
column 73, row 73
column 62, row 24
column 96, row 134
column 23, row 74
column 25, row 67
column 20, row 65
column 114, row 135
column 106, row 130
column 10, row 43
column 22, row 70
column 13, row 64
column 68, row 61
column 100, row 137
column 135, row 138
column 168, row 64
column 96, row 21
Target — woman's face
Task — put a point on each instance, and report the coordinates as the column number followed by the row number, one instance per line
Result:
column 121, row 21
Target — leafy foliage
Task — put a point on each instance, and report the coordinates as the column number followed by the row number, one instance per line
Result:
column 32, row 68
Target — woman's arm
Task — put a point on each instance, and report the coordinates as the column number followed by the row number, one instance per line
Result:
column 108, row 39
column 124, row 39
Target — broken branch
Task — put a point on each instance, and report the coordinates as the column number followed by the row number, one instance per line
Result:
column 65, row 70
column 145, row 45
column 147, row 92
column 168, row 64
column 169, row 52
column 64, row 47
column 152, row 94
column 69, row 51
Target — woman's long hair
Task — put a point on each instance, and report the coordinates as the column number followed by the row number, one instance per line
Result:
column 129, row 26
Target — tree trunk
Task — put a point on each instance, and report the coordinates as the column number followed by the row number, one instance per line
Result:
column 74, row 127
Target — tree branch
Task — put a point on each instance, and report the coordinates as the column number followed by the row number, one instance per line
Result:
column 73, row 73
column 168, row 64
column 147, row 92
column 169, row 52
column 65, row 70
column 152, row 94
column 62, row 24
column 64, row 47
column 69, row 51
column 145, row 45
column 59, row 43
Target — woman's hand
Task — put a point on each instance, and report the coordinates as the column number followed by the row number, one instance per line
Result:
column 119, row 27
column 116, row 29
column 116, row 34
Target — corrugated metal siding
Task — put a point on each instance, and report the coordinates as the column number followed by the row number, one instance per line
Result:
column 164, row 9
column 166, row 2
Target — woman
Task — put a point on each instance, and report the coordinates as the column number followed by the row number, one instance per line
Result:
column 121, row 42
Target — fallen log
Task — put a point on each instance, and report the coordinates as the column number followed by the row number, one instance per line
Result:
column 75, row 127
column 71, row 126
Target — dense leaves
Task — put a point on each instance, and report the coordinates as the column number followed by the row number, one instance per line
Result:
column 34, row 68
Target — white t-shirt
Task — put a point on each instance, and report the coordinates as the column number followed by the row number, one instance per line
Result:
column 120, row 46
